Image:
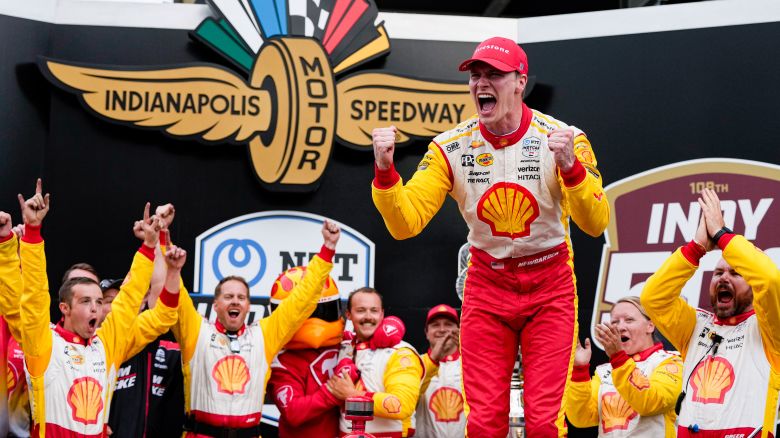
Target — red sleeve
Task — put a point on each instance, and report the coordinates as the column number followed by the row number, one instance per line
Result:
column 289, row 392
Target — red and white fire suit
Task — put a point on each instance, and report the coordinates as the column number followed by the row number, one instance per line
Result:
column 223, row 390
column 732, row 390
column 628, row 396
column 298, row 384
column 520, row 287
column 70, row 379
column 391, row 377
column 18, row 396
column 440, row 409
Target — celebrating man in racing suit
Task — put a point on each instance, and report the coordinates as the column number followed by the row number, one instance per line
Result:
column 72, row 365
column 227, row 364
column 517, row 176
column 731, row 355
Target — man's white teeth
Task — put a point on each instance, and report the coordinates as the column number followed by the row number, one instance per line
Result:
column 485, row 96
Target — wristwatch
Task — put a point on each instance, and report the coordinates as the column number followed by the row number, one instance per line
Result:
column 720, row 233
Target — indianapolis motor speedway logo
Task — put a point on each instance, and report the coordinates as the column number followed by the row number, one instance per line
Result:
column 291, row 106
column 656, row 212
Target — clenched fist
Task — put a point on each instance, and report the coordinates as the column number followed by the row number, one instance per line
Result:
column 561, row 144
column 384, row 146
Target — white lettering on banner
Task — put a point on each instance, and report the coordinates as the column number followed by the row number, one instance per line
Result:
column 677, row 219
column 260, row 246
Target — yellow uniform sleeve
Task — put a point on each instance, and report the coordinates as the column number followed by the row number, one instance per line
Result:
column 673, row 316
column 430, row 369
column 763, row 276
column 124, row 310
column 279, row 328
column 652, row 396
column 187, row 327
column 403, row 374
column 11, row 286
column 587, row 202
column 149, row 325
column 34, row 311
column 407, row 208
column 582, row 402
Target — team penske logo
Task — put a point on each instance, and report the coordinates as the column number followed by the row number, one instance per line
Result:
column 711, row 380
column 286, row 111
column 446, row 404
column 231, row 374
column 85, row 399
column 616, row 413
column 509, row 209
column 656, row 212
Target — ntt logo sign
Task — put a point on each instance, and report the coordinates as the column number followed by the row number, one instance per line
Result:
column 259, row 246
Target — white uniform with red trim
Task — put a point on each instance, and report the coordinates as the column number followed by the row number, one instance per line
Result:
column 440, row 410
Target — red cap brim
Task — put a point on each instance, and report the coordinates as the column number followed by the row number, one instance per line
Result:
column 501, row 66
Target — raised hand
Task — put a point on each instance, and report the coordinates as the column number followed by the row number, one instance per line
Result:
column 701, row 237
column 6, row 226
column 151, row 228
column 609, row 337
column 561, row 144
column 582, row 354
column 330, row 234
column 175, row 258
column 710, row 209
column 19, row 230
column 166, row 214
column 443, row 346
column 383, row 140
column 341, row 386
column 35, row 208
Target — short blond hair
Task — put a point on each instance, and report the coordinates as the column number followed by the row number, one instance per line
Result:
column 633, row 299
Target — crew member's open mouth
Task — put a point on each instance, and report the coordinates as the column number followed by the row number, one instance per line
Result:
column 725, row 296
column 233, row 313
column 93, row 323
column 624, row 339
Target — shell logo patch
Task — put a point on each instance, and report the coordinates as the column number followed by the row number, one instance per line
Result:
column 85, row 399
column 10, row 378
column 509, row 209
column 485, row 159
column 639, row 380
column 477, row 144
column 446, row 404
column 231, row 374
column 616, row 413
column 391, row 404
column 711, row 380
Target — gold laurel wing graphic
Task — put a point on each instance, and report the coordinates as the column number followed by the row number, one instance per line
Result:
column 201, row 101
column 417, row 108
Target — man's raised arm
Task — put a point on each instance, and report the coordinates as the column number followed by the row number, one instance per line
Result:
column 11, row 284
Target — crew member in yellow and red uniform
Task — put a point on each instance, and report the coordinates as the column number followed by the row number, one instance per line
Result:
column 227, row 364
column 635, row 392
column 389, row 370
column 731, row 374
column 300, row 372
column 518, row 176
column 440, row 409
column 72, row 365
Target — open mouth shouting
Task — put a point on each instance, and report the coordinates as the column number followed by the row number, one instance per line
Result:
column 487, row 103
column 234, row 315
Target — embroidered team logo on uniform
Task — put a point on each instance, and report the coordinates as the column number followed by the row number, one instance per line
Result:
column 392, row 405
column 639, row 380
column 616, row 413
column 711, row 380
column 85, row 399
column 11, row 377
column 284, row 395
column 231, row 374
column 446, row 404
column 485, row 159
column 322, row 367
column 509, row 209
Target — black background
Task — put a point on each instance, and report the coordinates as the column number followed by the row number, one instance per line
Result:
column 644, row 100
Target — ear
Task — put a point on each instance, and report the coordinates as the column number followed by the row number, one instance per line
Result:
column 522, row 81
column 650, row 327
column 64, row 309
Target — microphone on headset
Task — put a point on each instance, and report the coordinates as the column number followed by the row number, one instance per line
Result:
column 716, row 340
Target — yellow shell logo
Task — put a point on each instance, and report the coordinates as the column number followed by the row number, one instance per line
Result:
column 10, row 378
column 485, row 159
column 639, row 380
column 85, row 399
column 477, row 143
column 392, row 405
column 616, row 413
column 509, row 209
column 231, row 374
column 711, row 380
column 446, row 404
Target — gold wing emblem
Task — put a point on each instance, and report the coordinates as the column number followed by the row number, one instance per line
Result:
column 195, row 101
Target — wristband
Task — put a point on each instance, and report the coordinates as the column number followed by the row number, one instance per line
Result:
column 720, row 233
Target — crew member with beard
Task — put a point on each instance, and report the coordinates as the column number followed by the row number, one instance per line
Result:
column 227, row 364
column 635, row 392
column 732, row 355
column 519, row 177
column 390, row 370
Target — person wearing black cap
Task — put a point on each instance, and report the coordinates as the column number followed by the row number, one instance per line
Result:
column 440, row 409
column 518, row 176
